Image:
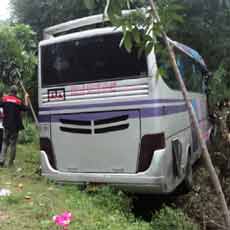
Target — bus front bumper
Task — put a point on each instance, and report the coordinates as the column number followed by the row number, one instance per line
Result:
column 134, row 183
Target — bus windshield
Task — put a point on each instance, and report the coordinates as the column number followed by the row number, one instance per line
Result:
column 98, row 58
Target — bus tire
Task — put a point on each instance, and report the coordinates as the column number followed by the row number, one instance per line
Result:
column 188, row 181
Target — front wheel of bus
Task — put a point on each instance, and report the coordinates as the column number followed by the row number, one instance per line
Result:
column 188, row 182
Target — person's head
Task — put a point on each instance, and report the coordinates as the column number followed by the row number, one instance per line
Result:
column 13, row 90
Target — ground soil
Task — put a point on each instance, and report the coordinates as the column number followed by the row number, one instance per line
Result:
column 202, row 203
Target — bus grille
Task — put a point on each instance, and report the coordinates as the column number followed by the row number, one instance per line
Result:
column 95, row 126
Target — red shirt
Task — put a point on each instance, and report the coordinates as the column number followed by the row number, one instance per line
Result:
column 12, row 107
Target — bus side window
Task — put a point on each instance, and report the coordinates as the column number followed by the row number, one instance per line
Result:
column 202, row 80
column 191, row 74
column 166, row 71
column 194, row 80
column 180, row 64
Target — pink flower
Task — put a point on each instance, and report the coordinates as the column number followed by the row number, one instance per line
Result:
column 63, row 219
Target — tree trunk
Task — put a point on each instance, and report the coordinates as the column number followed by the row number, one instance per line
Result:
column 205, row 153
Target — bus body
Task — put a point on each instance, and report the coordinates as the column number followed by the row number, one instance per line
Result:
column 107, row 117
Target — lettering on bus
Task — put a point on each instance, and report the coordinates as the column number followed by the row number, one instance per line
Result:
column 56, row 94
column 99, row 87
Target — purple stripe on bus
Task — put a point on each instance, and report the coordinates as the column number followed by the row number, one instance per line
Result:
column 163, row 111
column 123, row 103
column 95, row 116
column 147, row 112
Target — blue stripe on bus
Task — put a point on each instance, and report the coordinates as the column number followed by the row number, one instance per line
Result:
column 123, row 103
column 145, row 113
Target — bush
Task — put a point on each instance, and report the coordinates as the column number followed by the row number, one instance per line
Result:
column 172, row 219
column 219, row 86
column 29, row 134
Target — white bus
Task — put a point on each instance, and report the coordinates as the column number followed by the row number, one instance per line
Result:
column 107, row 117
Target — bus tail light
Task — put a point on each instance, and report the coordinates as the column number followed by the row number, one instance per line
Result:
column 46, row 145
column 149, row 144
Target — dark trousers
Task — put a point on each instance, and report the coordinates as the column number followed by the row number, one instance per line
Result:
column 9, row 139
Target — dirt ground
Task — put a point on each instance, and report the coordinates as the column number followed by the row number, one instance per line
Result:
column 202, row 204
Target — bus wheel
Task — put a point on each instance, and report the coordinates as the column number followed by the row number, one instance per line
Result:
column 187, row 183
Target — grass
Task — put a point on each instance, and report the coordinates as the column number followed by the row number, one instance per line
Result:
column 35, row 200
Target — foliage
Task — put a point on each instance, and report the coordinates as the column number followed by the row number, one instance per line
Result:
column 141, row 25
column 44, row 13
column 209, row 21
column 2, row 89
column 218, row 89
column 168, row 218
column 29, row 134
column 17, row 52
column 210, row 27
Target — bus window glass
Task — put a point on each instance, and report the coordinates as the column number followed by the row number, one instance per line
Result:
column 166, row 70
column 89, row 60
column 190, row 72
column 200, row 79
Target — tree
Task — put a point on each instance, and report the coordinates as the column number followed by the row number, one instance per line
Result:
column 17, row 52
column 209, row 21
column 44, row 13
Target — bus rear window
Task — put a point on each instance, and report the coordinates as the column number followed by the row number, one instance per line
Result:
column 92, row 59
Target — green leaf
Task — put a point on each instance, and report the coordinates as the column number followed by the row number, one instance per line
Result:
column 149, row 47
column 148, row 38
column 137, row 35
column 161, row 72
column 128, row 41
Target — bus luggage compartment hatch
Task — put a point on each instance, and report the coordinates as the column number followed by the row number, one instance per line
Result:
column 104, row 142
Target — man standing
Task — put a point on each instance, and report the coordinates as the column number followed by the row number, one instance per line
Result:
column 12, row 123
